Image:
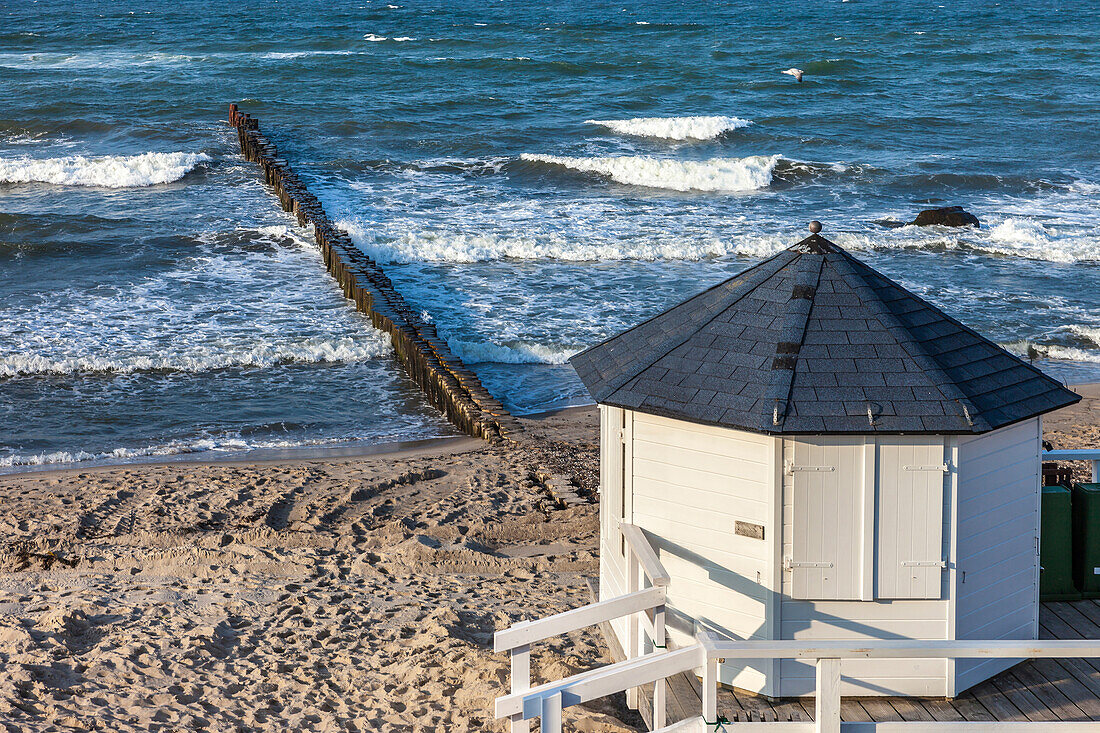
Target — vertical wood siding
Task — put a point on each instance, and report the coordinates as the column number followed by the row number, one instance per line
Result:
column 998, row 523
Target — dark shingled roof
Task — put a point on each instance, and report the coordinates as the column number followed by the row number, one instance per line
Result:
column 814, row 341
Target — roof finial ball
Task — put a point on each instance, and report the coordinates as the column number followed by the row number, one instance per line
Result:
column 815, row 226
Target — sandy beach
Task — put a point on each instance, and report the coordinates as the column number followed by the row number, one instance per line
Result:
column 326, row 594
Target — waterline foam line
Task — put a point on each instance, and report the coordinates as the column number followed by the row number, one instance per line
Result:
column 449, row 385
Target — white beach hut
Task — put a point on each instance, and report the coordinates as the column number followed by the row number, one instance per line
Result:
column 817, row 453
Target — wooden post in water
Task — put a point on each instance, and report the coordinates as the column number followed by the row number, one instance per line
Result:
column 444, row 379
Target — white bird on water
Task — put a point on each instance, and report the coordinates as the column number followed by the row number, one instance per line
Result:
column 796, row 73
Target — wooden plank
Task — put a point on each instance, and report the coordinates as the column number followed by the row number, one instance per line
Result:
column 1063, row 680
column 1045, row 633
column 756, row 705
column 790, row 710
column 943, row 710
column 1064, row 619
column 970, row 708
column 709, row 688
column 1056, row 625
column 682, row 701
column 645, row 554
column 1081, row 623
column 910, row 708
column 562, row 623
column 1048, row 694
column 999, row 706
column 854, row 712
column 729, row 703
column 1083, row 673
column 1088, row 608
column 880, row 709
column 828, row 696
column 1025, row 701
column 604, row 680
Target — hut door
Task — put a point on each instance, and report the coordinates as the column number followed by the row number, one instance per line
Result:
column 909, row 514
column 826, row 476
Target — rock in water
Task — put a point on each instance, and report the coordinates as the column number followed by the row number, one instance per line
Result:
column 948, row 216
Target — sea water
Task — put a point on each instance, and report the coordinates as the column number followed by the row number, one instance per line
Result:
column 534, row 177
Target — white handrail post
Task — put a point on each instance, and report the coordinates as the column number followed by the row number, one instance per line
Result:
column 659, row 686
column 633, row 583
column 550, row 720
column 521, row 681
column 827, row 717
column 710, row 690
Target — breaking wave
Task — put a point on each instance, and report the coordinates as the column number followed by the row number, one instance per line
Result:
column 1072, row 342
column 314, row 350
column 1021, row 231
column 512, row 352
column 408, row 245
column 717, row 174
column 112, row 171
column 674, row 128
column 1031, row 350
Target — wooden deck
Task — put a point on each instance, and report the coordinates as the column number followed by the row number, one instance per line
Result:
column 1037, row 690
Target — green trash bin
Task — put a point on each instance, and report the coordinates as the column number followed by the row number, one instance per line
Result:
column 1086, row 539
column 1056, row 546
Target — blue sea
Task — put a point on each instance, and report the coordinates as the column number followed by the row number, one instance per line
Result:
column 534, row 176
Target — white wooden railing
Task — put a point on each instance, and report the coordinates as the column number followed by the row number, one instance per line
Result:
column 1091, row 454
column 548, row 700
column 645, row 610
column 644, row 607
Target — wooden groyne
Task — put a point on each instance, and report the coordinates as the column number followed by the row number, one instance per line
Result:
column 448, row 383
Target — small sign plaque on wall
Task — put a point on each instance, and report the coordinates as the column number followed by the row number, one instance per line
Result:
column 748, row 529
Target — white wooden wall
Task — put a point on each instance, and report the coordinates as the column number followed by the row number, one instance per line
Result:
column 860, row 483
column 997, row 563
column 691, row 484
column 688, row 484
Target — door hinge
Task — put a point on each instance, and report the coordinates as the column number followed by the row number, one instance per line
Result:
column 924, row 564
column 789, row 564
column 791, row 468
column 943, row 467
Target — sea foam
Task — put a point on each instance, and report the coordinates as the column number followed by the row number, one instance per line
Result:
column 228, row 443
column 512, row 352
column 716, row 174
column 113, row 171
column 1020, row 231
column 674, row 128
column 427, row 245
column 1030, row 350
column 370, row 345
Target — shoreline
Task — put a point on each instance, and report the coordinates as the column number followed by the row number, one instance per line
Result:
column 303, row 453
column 1090, row 391
column 349, row 449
